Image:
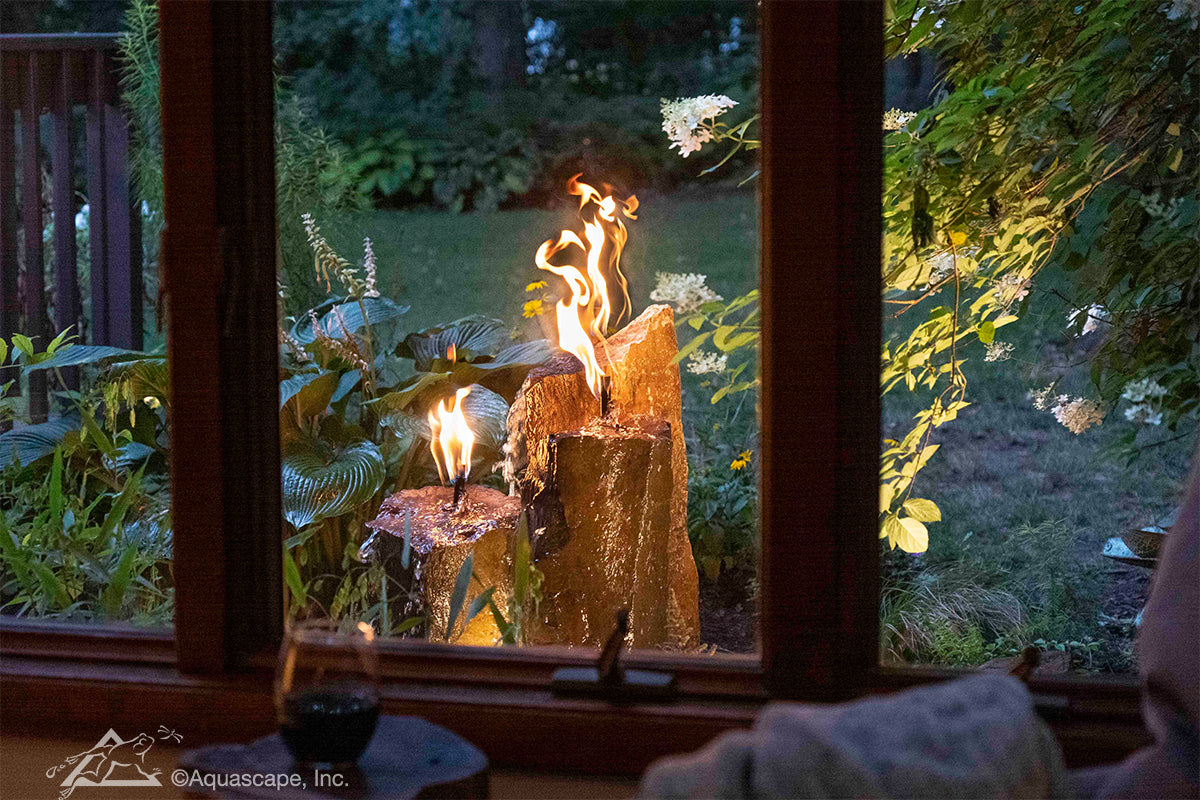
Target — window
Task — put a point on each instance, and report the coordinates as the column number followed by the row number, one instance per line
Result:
column 490, row 256
column 1034, row 307
column 85, row 404
column 820, row 320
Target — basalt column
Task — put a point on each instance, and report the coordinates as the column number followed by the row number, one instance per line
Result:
column 555, row 416
column 443, row 535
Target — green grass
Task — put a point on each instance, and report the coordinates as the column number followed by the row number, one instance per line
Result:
column 1027, row 505
column 447, row 266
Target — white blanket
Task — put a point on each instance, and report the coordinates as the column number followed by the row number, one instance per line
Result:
column 975, row 737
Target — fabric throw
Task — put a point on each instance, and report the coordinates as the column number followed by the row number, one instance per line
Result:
column 974, row 737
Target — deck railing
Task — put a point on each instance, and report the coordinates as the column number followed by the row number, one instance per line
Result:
column 45, row 78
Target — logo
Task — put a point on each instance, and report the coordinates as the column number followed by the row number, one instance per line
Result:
column 112, row 761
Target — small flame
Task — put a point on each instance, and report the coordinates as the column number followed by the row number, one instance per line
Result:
column 586, row 314
column 452, row 439
column 451, row 353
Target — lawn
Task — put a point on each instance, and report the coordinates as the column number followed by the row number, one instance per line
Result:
column 1027, row 507
column 449, row 265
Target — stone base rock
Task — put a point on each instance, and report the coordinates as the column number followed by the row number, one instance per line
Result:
column 604, row 502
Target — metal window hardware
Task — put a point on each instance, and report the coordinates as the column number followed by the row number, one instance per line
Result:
column 609, row 680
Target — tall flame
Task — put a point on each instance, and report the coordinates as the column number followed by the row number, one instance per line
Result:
column 453, row 437
column 586, row 314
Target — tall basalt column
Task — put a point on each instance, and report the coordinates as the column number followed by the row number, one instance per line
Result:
column 555, row 399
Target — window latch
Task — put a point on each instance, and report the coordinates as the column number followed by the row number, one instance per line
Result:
column 611, row 681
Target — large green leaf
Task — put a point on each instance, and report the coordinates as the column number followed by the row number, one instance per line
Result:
column 472, row 337
column 379, row 309
column 407, row 427
column 76, row 354
column 404, row 397
column 322, row 480
column 147, row 377
column 310, row 392
column 487, row 416
column 32, row 442
column 486, row 413
column 524, row 356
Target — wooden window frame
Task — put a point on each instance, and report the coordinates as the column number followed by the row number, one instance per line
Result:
column 821, row 212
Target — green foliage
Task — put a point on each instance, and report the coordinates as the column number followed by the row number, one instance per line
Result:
column 85, row 528
column 310, row 172
column 478, row 173
column 355, row 391
column 1046, row 154
column 1067, row 143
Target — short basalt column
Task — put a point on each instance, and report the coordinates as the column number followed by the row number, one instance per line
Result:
column 442, row 537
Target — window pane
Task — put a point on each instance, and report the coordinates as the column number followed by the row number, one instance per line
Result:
column 85, row 531
column 1039, row 370
column 531, row 236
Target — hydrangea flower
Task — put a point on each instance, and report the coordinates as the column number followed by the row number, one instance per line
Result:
column 685, row 291
column 1096, row 315
column 684, row 120
column 999, row 351
column 895, row 119
column 702, row 362
column 1077, row 414
column 1012, row 288
column 1042, row 398
column 1144, row 396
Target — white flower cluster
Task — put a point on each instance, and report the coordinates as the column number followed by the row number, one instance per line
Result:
column 1144, row 396
column 999, row 351
column 942, row 265
column 1043, row 398
column 702, row 362
column 895, row 119
column 685, row 291
column 683, row 120
column 1010, row 289
column 1097, row 315
column 369, row 266
column 1077, row 414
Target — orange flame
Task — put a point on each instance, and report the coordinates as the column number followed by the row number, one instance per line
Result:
column 586, row 314
column 453, row 437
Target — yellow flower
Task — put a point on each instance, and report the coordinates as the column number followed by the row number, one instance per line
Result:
column 741, row 461
column 535, row 286
column 533, row 308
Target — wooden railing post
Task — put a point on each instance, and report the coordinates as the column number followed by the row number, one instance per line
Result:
column 54, row 73
column 67, row 311
column 9, row 304
column 33, row 291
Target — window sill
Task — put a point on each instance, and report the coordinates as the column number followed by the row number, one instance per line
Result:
column 518, row 727
column 503, row 709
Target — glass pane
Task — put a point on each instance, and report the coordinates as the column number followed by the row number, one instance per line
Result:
column 1039, row 362
column 85, row 529
column 531, row 236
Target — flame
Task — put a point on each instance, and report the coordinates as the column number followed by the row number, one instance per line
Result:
column 585, row 316
column 453, row 437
